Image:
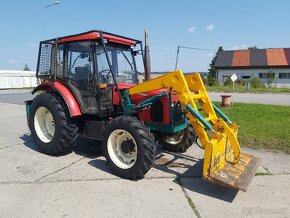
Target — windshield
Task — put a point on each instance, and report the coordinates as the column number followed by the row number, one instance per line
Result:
column 122, row 61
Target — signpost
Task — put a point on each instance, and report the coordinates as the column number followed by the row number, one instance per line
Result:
column 233, row 78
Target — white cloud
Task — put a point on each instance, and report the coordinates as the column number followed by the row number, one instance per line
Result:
column 191, row 29
column 239, row 47
column 14, row 61
column 210, row 54
column 32, row 44
column 210, row 27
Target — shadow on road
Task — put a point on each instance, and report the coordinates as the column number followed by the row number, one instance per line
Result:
column 187, row 169
column 85, row 147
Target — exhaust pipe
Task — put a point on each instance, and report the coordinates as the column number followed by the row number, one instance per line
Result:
column 147, row 64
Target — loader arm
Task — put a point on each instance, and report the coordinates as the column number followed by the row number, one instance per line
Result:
column 223, row 162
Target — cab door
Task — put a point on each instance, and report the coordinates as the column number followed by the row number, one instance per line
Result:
column 80, row 74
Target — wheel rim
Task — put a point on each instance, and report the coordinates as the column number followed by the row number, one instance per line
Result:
column 44, row 124
column 173, row 138
column 122, row 148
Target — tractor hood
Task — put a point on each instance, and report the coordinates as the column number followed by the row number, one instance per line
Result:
column 138, row 97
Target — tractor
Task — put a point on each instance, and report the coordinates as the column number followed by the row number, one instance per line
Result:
column 90, row 86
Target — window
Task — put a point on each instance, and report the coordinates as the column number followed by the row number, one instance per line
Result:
column 59, row 62
column 123, row 65
column 266, row 75
column 80, row 62
column 284, row 75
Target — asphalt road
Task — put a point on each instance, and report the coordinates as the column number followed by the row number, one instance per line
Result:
column 273, row 99
column 80, row 184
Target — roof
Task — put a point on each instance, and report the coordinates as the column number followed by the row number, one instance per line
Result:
column 95, row 34
column 256, row 58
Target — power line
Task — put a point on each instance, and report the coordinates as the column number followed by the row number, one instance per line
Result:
column 186, row 47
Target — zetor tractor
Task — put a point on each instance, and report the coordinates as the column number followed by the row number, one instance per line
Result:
column 89, row 86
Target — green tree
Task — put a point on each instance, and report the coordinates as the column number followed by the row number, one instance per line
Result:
column 270, row 77
column 26, row 68
column 253, row 48
column 212, row 71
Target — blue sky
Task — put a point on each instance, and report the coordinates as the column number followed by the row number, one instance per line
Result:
column 203, row 24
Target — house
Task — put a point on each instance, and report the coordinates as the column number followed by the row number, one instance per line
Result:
column 11, row 79
column 262, row 63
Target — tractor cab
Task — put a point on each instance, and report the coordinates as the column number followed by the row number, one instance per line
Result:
column 89, row 64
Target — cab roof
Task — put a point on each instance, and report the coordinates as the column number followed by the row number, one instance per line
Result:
column 94, row 34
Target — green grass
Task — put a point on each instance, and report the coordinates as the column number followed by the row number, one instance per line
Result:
column 263, row 174
column 262, row 126
column 242, row 89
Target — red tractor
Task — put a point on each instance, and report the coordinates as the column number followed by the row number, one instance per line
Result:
column 90, row 87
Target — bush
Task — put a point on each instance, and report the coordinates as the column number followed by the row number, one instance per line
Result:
column 256, row 82
column 241, row 82
column 228, row 82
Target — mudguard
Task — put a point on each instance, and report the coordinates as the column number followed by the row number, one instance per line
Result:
column 65, row 93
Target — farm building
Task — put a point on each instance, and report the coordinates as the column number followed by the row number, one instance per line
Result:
column 262, row 63
column 10, row 79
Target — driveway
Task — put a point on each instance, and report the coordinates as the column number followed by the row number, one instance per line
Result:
column 273, row 99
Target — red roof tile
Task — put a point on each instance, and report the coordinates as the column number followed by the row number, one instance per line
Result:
column 241, row 58
column 276, row 57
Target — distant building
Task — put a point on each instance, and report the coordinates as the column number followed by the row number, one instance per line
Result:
column 10, row 79
column 255, row 63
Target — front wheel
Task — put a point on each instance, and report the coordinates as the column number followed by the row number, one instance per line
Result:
column 178, row 142
column 128, row 147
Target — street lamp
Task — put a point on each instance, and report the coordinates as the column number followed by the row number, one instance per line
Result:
column 55, row 3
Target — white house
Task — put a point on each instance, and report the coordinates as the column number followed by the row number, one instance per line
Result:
column 10, row 79
column 255, row 63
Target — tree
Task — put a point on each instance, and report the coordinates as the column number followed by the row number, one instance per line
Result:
column 270, row 77
column 26, row 68
column 253, row 48
column 212, row 71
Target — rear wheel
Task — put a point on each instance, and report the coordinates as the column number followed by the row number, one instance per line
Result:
column 52, row 129
column 178, row 142
column 128, row 147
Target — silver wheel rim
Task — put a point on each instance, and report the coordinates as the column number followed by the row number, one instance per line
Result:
column 174, row 138
column 122, row 159
column 44, row 124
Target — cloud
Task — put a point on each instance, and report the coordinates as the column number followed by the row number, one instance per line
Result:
column 210, row 54
column 210, row 27
column 14, row 61
column 239, row 47
column 32, row 44
column 191, row 29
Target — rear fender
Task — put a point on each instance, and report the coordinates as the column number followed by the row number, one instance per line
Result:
column 65, row 93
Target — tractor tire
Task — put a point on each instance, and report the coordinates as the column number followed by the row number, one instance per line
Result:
column 178, row 142
column 128, row 147
column 51, row 127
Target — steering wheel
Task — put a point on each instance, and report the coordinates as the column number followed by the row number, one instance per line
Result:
column 104, row 75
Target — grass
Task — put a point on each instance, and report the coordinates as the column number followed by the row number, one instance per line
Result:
column 262, row 126
column 263, row 174
column 242, row 89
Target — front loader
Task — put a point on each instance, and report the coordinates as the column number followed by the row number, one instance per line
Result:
column 90, row 87
column 223, row 162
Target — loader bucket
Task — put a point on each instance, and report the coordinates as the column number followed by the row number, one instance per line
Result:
column 219, row 167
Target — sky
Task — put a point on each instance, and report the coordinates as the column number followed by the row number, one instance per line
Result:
column 201, row 24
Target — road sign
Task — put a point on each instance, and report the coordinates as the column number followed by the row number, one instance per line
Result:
column 234, row 77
